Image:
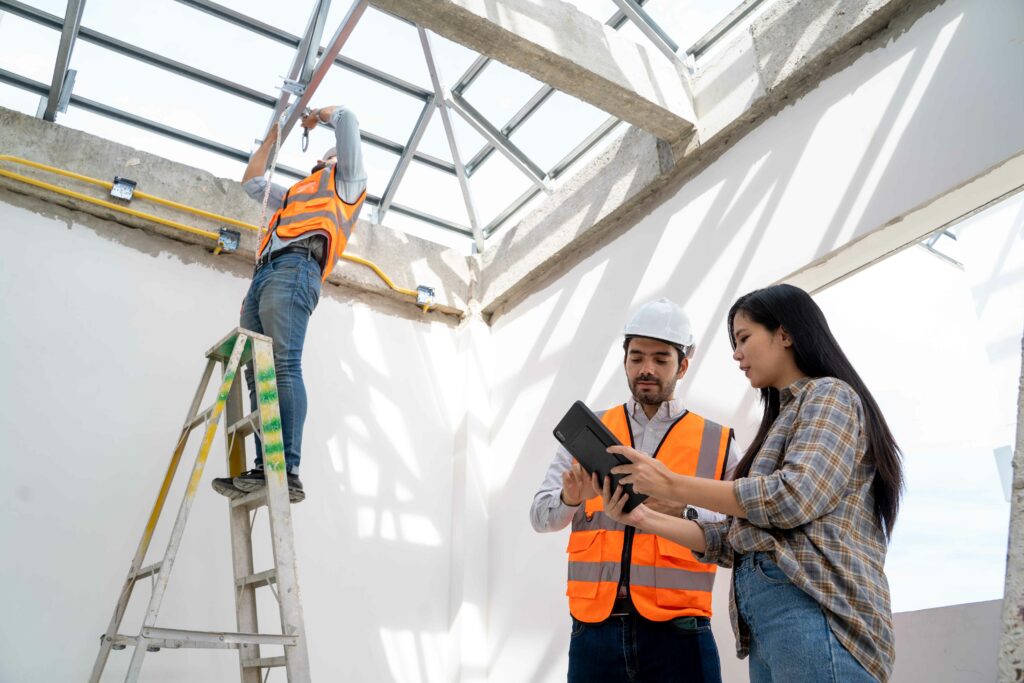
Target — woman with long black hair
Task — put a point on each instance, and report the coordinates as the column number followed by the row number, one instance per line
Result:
column 811, row 508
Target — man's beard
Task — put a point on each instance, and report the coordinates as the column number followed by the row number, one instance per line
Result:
column 320, row 166
column 662, row 394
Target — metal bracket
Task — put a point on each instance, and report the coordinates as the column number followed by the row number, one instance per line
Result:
column 424, row 296
column 292, row 86
column 123, row 188
column 227, row 241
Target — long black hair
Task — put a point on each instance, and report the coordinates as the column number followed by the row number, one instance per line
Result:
column 817, row 354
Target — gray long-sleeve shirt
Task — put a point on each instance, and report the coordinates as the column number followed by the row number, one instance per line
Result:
column 350, row 176
column 549, row 513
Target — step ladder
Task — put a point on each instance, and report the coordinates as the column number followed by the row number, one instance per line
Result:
column 235, row 350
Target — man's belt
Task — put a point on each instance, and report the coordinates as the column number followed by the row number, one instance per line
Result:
column 305, row 248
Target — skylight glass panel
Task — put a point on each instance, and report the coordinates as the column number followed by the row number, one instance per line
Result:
column 227, row 51
column 496, row 185
column 288, row 16
column 381, row 109
column 27, row 49
column 434, row 192
column 435, row 141
column 164, row 97
column 18, row 99
column 500, row 91
column 451, row 58
column 58, row 7
column 402, row 56
column 557, row 126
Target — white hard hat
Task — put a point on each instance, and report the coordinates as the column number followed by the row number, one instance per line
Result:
column 662, row 320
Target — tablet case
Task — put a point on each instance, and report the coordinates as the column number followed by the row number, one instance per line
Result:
column 586, row 438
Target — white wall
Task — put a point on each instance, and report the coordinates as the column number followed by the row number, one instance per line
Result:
column 424, row 444
column 902, row 125
column 103, row 339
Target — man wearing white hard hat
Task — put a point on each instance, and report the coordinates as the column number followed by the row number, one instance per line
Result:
column 640, row 604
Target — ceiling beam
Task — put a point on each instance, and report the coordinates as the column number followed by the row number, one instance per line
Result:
column 631, row 81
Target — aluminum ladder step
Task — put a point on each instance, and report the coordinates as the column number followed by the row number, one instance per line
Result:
column 174, row 638
column 262, row 578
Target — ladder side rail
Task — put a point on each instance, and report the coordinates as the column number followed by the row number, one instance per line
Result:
column 246, row 616
column 279, row 509
column 160, row 585
column 147, row 535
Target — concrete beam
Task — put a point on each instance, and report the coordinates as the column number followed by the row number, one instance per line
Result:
column 737, row 89
column 909, row 229
column 407, row 260
column 559, row 45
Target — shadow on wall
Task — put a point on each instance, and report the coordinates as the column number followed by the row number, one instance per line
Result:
column 754, row 195
column 379, row 446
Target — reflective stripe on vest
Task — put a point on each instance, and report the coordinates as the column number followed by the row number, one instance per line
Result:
column 312, row 205
column 665, row 580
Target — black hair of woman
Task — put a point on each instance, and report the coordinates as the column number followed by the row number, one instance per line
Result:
column 817, row 354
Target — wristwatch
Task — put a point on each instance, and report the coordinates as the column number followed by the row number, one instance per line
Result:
column 690, row 513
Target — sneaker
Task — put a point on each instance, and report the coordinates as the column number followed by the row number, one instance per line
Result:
column 250, row 481
column 225, row 486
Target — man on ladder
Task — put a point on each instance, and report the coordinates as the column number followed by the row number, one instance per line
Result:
column 308, row 231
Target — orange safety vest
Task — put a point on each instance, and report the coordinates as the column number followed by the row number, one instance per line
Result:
column 665, row 579
column 313, row 205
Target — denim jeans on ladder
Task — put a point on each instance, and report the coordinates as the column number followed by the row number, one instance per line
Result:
column 279, row 302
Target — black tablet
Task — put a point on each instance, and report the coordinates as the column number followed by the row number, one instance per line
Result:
column 587, row 439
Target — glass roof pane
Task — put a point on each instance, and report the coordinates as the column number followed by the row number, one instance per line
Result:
column 434, row 192
column 497, row 184
column 18, row 99
column 155, row 94
column 381, row 110
column 499, row 92
column 228, row 51
column 434, row 142
column 27, row 49
column 557, row 126
column 287, row 16
column 687, row 22
column 403, row 56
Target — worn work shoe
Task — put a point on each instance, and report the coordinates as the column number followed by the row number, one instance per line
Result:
column 225, row 486
column 250, row 481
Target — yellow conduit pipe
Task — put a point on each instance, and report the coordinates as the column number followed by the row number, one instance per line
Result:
column 109, row 205
column 165, row 202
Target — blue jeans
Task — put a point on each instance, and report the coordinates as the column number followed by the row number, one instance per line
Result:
column 280, row 300
column 790, row 639
column 631, row 649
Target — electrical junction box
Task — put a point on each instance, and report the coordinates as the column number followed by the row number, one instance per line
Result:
column 227, row 240
column 424, row 296
column 123, row 188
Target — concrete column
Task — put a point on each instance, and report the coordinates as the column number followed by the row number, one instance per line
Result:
column 1011, row 648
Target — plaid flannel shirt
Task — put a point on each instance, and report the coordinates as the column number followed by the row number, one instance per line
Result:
column 809, row 503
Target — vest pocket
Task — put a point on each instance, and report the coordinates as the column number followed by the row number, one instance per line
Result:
column 584, row 560
column 676, row 574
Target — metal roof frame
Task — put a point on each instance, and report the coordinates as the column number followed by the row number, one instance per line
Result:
column 303, row 72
